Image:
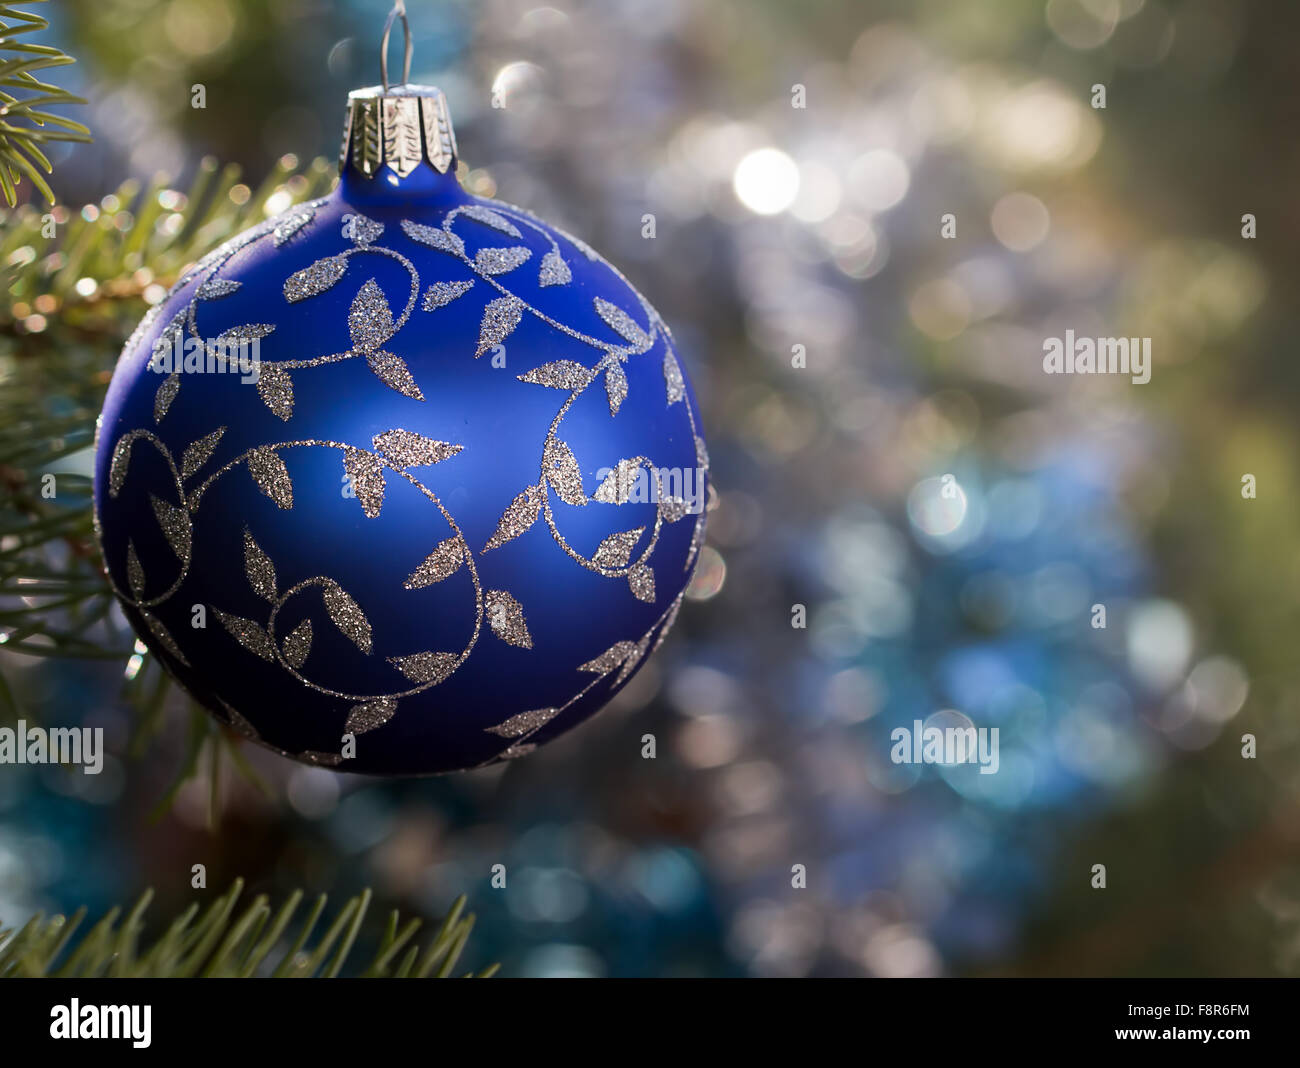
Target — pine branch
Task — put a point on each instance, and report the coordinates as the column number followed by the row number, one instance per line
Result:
column 221, row 943
column 24, row 124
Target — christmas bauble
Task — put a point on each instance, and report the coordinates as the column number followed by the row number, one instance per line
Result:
column 403, row 480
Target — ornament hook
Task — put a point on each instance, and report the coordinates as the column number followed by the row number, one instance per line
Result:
column 399, row 10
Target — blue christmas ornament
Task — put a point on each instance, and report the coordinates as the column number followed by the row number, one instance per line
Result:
column 404, row 480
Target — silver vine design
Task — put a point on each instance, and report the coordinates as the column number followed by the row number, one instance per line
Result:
column 370, row 320
column 372, row 325
column 623, row 657
column 561, row 473
column 394, row 452
column 559, row 468
column 211, row 287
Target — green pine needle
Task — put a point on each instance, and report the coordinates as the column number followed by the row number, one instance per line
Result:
column 22, row 126
column 225, row 943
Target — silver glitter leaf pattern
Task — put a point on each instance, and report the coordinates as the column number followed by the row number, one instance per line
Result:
column 672, row 508
column 563, row 472
column 392, row 371
column 562, row 374
column 500, row 318
column 443, row 562
column 118, row 466
column 405, row 448
column 440, row 294
column 514, row 752
column 216, row 287
column 370, row 320
column 610, row 658
column 298, row 645
column 175, row 524
column 134, row 572
column 173, row 335
column 501, row 260
column 162, row 400
column 365, row 472
column 615, row 387
column 517, row 518
column 275, row 387
column 271, row 476
column 554, row 271
column 197, row 454
column 251, row 636
column 619, row 483
column 633, row 660
column 320, row 276
column 163, row 635
column 241, row 335
column 347, row 615
column 365, row 230
column 673, row 381
column 641, row 581
column 433, row 237
column 491, row 218
column 295, row 222
column 372, row 714
column 701, row 453
column 623, row 324
column 425, row 667
column 506, row 618
column 258, row 568
column 524, row 723
column 615, row 550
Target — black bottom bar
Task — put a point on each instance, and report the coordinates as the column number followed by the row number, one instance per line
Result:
column 343, row 1017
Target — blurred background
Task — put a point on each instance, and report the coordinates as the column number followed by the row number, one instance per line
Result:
column 777, row 227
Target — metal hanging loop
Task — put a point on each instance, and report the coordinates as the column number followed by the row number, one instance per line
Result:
column 399, row 11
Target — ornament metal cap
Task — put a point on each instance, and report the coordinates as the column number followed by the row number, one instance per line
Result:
column 397, row 127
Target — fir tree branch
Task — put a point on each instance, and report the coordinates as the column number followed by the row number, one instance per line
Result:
column 24, row 125
column 225, row 944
